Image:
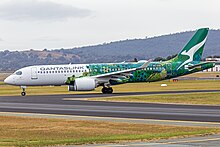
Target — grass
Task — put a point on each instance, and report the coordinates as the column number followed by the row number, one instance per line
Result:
column 172, row 86
column 23, row 131
column 2, row 83
column 204, row 75
column 130, row 87
column 192, row 98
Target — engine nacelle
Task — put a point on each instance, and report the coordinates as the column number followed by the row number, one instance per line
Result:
column 83, row 84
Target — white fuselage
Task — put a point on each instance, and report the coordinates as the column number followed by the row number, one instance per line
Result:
column 45, row 74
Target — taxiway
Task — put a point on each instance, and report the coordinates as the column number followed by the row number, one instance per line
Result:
column 59, row 104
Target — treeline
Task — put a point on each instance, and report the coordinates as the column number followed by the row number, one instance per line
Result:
column 213, row 56
column 164, row 59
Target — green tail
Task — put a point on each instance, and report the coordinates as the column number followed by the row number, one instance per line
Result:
column 194, row 48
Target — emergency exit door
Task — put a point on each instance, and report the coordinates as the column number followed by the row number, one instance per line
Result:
column 169, row 68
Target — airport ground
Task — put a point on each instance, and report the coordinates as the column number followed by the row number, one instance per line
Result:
column 21, row 129
column 27, row 131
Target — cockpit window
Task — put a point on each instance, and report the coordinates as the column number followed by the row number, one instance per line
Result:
column 18, row 73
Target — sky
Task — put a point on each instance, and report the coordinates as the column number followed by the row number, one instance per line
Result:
column 55, row 24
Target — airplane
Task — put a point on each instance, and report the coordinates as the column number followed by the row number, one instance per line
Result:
column 87, row 77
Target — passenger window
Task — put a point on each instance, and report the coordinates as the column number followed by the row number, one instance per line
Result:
column 18, row 73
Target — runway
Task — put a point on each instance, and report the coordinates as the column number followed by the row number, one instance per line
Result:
column 55, row 104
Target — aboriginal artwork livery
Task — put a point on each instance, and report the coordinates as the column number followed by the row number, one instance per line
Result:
column 186, row 62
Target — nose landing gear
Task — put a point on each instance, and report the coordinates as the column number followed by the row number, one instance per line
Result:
column 107, row 90
column 23, row 93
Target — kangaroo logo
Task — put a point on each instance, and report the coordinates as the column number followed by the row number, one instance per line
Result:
column 190, row 53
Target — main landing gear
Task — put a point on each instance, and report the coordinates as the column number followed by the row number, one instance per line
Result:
column 23, row 93
column 107, row 90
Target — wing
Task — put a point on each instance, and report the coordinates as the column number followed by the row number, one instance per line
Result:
column 103, row 78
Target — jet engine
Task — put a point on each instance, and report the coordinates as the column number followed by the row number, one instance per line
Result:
column 83, row 84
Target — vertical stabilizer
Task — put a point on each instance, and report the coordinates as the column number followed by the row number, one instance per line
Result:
column 194, row 48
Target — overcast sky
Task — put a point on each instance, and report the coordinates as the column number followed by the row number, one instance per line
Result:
column 54, row 24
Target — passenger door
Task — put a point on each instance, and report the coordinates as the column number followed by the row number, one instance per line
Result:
column 34, row 73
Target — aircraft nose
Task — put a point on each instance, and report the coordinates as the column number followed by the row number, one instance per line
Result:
column 8, row 80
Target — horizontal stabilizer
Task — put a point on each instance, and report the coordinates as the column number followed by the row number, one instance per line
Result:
column 200, row 64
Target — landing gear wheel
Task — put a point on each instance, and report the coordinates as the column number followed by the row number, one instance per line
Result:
column 110, row 90
column 107, row 90
column 104, row 90
column 23, row 93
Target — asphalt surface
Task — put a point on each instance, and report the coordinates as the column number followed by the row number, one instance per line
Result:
column 59, row 104
column 201, row 141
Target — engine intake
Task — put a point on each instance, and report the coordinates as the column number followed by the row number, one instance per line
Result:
column 83, row 84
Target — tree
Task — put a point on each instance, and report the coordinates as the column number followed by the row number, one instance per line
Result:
column 49, row 56
column 159, row 59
